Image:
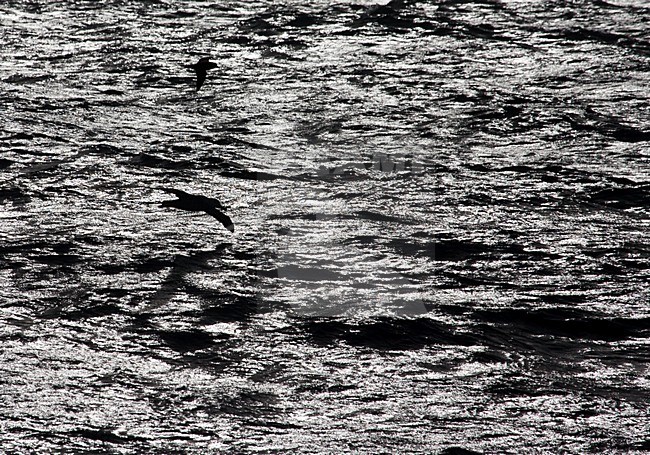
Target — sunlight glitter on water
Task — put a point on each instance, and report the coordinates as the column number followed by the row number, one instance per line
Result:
column 440, row 218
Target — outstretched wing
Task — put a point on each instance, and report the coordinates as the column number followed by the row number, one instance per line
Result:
column 222, row 217
column 200, row 77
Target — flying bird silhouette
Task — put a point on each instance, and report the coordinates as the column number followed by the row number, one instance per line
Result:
column 198, row 203
column 201, row 69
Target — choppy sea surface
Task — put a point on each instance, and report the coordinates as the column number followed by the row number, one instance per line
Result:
column 442, row 236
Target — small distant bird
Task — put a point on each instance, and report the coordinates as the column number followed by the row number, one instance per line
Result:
column 201, row 69
column 198, row 203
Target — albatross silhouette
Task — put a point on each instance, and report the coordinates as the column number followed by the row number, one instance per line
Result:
column 201, row 69
column 198, row 203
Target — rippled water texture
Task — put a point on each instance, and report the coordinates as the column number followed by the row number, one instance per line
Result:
column 441, row 219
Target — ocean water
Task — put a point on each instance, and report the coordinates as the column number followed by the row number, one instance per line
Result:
column 442, row 227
